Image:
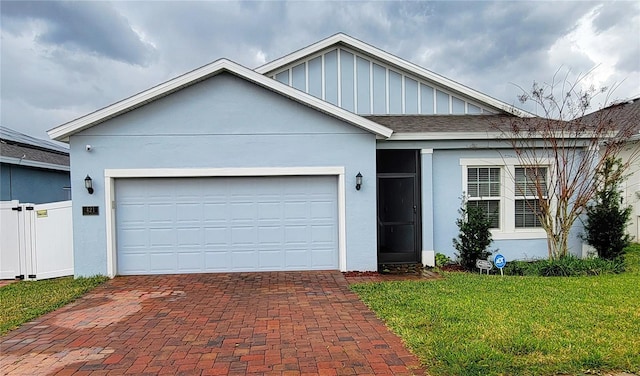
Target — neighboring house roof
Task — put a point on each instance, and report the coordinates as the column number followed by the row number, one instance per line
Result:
column 624, row 116
column 19, row 149
column 343, row 39
column 62, row 132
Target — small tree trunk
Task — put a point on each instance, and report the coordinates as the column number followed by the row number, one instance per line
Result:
column 558, row 244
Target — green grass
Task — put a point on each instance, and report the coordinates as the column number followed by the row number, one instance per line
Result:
column 26, row 300
column 632, row 258
column 470, row 324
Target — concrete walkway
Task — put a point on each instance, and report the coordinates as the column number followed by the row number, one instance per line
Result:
column 298, row 323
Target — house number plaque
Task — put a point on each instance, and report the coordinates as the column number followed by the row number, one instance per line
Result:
column 90, row 210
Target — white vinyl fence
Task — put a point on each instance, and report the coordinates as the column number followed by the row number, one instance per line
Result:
column 36, row 241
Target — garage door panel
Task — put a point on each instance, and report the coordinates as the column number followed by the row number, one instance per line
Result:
column 216, row 236
column 271, row 260
column 323, row 209
column 133, row 263
column 269, row 235
column 162, row 262
column 188, row 237
column 199, row 225
column 295, row 234
column 133, row 213
column 244, row 259
column 133, row 238
column 296, row 210
column 190, row 261
column 269, row 211
column 322, row 259
column 243, row 210
column 217, row 261
column 188, row 212
column 323, row 234
column 161, row 212
column 161, row 237
column 242, row 236
column 297, row 258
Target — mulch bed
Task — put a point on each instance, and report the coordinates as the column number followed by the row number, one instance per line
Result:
column 393, row 272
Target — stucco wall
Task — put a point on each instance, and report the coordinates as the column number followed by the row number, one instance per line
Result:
column 447, row 193
column 33, row 185
column 222, row 122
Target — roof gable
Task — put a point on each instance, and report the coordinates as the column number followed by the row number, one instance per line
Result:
column 62, row 132
column 452, row 93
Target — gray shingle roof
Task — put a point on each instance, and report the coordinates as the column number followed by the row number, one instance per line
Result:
column 9, row 134
column 624, row 115
column 15, row 145
column 441, row 123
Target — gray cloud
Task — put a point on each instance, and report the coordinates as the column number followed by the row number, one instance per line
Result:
column 90, row 27
column 63, row 60
column 610, row 16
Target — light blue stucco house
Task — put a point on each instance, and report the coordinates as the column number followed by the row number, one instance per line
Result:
column 338, row 156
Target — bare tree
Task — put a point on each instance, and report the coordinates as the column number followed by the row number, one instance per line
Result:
column 559, row 152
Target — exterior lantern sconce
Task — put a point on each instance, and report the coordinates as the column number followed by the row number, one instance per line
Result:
column 358, row 181
column 88, row 183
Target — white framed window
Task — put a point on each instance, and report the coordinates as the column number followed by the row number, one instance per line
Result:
column 508, row 194
column 483, row 191
column 530, row 184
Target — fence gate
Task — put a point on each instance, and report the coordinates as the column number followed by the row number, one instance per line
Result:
column 36, row 241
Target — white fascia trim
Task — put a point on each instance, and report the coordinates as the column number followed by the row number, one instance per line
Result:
column 401, row 63
column 111, row 174
column 498, row 136
column 444, row 136
column 28, row 163
column 62, row 132
column 213, row 172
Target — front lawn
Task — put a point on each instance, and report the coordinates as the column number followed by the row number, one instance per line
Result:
column 26, row 300
column 470, row 324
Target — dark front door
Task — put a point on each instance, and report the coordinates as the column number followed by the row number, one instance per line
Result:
column 398, row 207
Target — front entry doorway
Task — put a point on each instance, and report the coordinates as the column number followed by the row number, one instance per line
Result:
column 398, row 187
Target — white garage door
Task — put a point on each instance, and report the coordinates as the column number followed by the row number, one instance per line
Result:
column 197, row 225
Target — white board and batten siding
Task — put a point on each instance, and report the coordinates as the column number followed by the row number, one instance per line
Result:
column 226, row 224
column 36, row 241
column 367, row 86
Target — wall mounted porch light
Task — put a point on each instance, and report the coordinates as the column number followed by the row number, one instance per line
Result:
column 88, row 183
column 358, row 181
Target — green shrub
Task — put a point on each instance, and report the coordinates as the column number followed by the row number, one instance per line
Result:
column 474, row 237
column 607, row 218
column 568, row 266
column 442, row 259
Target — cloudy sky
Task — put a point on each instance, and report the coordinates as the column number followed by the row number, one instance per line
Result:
column 61, row 60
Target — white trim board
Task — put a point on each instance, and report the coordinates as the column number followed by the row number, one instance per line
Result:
column 62, row 132
column 348, row 41
column 110, row 175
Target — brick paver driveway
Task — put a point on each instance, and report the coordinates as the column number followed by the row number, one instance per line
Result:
column 211, row 324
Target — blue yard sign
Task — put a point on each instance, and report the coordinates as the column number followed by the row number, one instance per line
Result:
column 500, row 262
